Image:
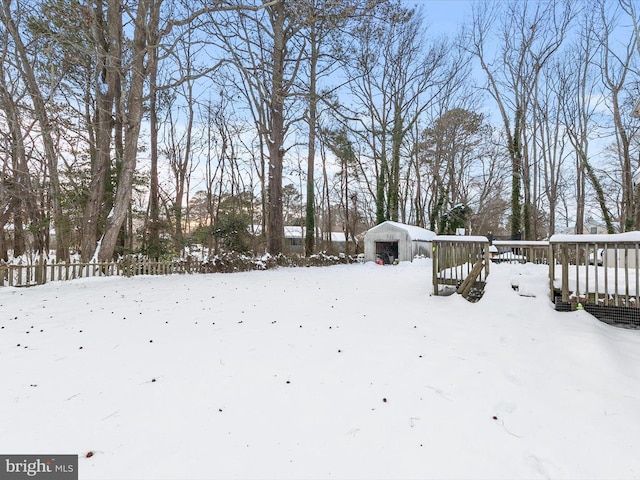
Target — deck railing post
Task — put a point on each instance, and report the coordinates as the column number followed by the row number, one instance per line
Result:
column 637, row 277
column 487, row 260
column 434, row 268
column 551, row 261
column 564, row 258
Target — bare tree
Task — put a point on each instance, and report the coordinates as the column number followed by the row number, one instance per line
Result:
column 25, row 64
column 342, row 148
column 577, row 74
column 106, row 35
column 488, row 188
column 327, row 23
column 616, row 64
column 448, row 149
column 395, row 75
column 265, row 52
column 551, row 140
column 130, row 108
column 631, row 8
column 16, row 184
column 147, row 34
column 529, row 34
column 176, row 149
column 17, row 187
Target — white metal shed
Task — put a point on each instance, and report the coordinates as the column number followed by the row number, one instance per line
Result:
column 392, row 240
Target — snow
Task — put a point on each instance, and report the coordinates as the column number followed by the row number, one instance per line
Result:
column 352, row 371
column 631, row 237
column 509, row 257
column 292, row 231
column 521, row 243
column 600, row 280
column 461, row 238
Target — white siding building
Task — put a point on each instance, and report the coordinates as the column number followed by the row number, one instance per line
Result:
column 393, row 240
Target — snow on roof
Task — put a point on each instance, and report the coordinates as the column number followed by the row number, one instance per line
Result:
column 461, row 238
column 338, row 237
column 294, row 231
column 523, row 243
column 598, row 238
column 416, row 233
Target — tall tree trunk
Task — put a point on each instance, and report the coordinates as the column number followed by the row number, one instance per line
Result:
column 131, row 123
column 309, row 240
column 397, row 136
column 153, row 241
column 327, row 194
column 516, row 178
column 381, row 213
column 275, row 228
column 107, row 39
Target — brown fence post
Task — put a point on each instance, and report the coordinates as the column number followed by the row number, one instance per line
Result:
column 39, row 275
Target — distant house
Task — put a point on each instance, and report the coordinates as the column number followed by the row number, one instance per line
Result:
column 392, row 240
column 589, row 229
column 294, row 237
column 338, row 243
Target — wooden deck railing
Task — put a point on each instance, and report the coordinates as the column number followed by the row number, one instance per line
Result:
column 596, row 269
column 460, row 263
column 521, row 251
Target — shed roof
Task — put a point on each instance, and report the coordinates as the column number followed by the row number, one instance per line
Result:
column 416, row 233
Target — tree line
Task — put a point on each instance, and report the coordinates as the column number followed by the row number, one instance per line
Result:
column 143, row 126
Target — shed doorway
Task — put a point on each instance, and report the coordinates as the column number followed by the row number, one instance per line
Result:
column 387, row 252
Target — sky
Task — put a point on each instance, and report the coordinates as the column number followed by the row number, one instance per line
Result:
column 351, row 371
column 443, row 16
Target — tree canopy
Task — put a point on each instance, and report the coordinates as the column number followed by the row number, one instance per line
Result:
column 141, row 126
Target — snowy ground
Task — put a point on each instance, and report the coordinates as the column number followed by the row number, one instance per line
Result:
column 338, row 372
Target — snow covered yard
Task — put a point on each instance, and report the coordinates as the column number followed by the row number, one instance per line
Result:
column 351, row 371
